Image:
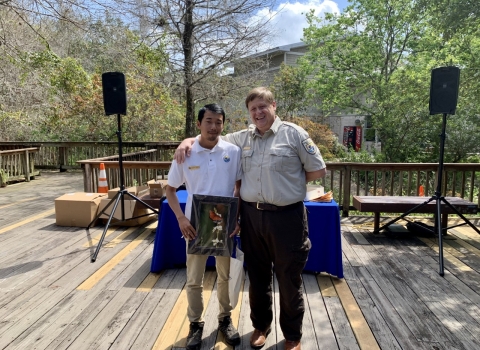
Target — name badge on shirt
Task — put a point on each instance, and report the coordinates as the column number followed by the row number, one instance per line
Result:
column 194, row 167
column 246, row 148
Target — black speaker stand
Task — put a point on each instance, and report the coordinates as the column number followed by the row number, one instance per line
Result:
column 439, row 199
column 119, row 197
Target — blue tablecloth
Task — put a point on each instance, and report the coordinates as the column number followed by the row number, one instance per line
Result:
column 324, row 228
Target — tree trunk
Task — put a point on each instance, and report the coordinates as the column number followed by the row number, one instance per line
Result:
column 188, row 67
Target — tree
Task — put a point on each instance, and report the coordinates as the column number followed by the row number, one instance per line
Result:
column 291, row 90
column 375, row 59
column 202, row 38
column 52, row 87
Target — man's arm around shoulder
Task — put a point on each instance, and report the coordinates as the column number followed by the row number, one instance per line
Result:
column 183, row 150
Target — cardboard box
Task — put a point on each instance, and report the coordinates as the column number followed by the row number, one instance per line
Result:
column 133, row 209
column 151, row 201
column 77, row 209
column 314, row 191
column 157, row 188
column 135, row 190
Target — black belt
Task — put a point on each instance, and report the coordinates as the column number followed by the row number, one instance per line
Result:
column 270, row 207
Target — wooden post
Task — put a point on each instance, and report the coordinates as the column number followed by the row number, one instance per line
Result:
column 346, row 191
column 32, row 165
column 27, row 166
column 87, row 178
column 62, row 158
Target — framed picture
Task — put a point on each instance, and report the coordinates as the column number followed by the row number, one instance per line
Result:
column 214, row 218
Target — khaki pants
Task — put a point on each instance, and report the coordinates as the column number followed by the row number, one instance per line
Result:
column 195, row 272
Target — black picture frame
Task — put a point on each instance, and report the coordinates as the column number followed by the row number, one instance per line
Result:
column 214, row 219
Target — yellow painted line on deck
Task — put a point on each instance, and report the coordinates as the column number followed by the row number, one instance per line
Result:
column 359, row 325
column 326, row 286
column 120, row 238
column 102, row 272
column 149, row 282
column 21, row 201
column 433, row 245
column 220, row 342
column 175, row 330
column 26, row 221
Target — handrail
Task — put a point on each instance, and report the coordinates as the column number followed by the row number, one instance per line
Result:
column 17, row 165
column 343, row 179
column 135, row 172
column 64, row 155
column 400, row 179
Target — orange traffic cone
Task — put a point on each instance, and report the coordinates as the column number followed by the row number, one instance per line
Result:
column 102, row 180
column 421, row 191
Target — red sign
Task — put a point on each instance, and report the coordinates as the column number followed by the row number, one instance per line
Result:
column 352, row 137
column 358, row 138
column 349, row 136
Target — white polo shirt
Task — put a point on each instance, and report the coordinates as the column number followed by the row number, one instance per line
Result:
column 207, row 171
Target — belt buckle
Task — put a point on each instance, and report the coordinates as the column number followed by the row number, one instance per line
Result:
column 258, row 207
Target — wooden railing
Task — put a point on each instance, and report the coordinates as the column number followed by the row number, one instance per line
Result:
column 65, row 155
column 139, row 167
column 18, row 165
column 343, row 179
column 400, row 179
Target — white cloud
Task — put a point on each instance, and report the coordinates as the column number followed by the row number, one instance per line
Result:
column 289, row 18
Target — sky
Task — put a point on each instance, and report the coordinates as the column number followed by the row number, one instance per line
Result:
column 290, row 19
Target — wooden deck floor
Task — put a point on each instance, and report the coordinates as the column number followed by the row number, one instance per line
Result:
column 53, row 297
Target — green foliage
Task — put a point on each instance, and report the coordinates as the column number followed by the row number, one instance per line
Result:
column 291, row 90
column 65, row 91
column 323, row 137
column 375, row 59
column 350, row 155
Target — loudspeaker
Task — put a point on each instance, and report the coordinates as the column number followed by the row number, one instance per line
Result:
column 114, row 93
column 444, row 90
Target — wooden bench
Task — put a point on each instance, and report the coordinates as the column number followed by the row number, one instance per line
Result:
column 402, row 204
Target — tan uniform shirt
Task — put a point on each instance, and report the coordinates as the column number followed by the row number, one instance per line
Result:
column 274, row 164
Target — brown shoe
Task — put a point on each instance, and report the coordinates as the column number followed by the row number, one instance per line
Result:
column 292, row 345
column 258, row 338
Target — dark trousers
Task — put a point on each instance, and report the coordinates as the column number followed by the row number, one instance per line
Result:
column 279, row 238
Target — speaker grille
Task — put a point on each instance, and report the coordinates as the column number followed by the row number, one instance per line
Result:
column 114, row 93
column 444, row 90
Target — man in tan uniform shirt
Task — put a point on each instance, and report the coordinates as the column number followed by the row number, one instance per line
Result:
column 278, row 159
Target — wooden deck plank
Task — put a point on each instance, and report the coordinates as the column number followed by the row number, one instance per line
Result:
column 146, row 312
column 391, row 287
column 210, row 330
column 417, row 293
column 375, row 320
column 395, row 322
column 59, row 294
column 362, row 332
column 155, row 324
column 318, row 315
column 97, row 327
column 245, row 327
column 398, row 293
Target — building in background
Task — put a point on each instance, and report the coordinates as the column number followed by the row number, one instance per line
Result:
column 352, row 130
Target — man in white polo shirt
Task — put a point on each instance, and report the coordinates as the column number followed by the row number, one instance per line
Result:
column 213, row 168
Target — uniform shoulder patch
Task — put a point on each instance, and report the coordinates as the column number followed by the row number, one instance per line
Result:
column 309, row 146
